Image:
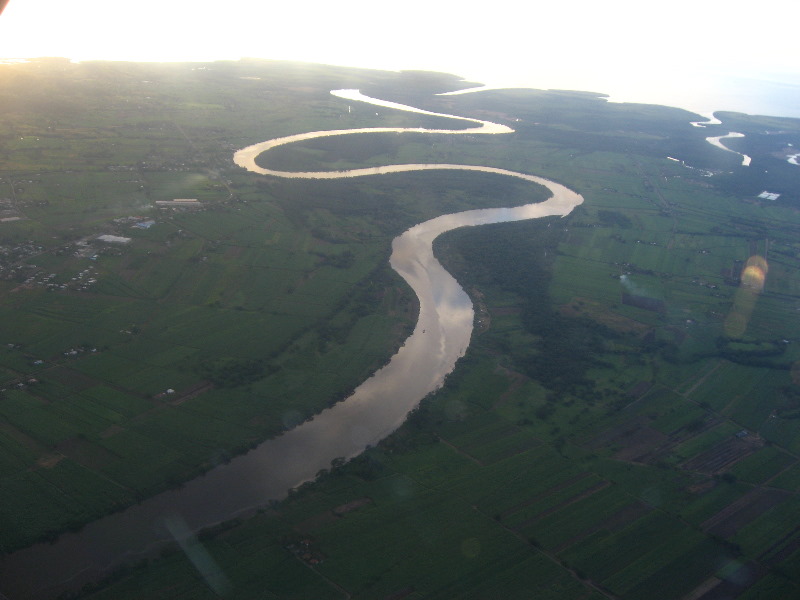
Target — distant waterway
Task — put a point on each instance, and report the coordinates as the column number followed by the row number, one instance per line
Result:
column 376, row 408
column 712, row 120
column 717, row 141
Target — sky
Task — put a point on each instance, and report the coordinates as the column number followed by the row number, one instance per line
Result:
column 703, row 56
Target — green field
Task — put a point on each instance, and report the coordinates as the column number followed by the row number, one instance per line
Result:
column 624, row 424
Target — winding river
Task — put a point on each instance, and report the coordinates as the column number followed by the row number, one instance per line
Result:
column 717, row 141
column 376, row 408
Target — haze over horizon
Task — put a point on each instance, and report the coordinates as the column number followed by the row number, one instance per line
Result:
column 666, row 54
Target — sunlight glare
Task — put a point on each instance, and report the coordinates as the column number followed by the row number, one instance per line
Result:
column 632, row 50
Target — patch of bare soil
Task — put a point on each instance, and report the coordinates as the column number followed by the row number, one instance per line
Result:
column 192, row 392
column 328, row 517
column 21, row 437
column 517, row 379
column 557, row 488
column 619, row 520
column 48, row 461
column 522, row 446
column 111, row 431
column 351, row 506
column 86, row 453
column 737, row 582
column 744, row 510
column 702, row 487
column 640, row 389
column 596, row 311
column 633, row 441
column 601, row 485
column 782, row 548
column 640, row 444
column 723, row 455
column 609, row 436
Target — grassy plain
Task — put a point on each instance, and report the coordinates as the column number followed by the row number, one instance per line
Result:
column 143, row 364
column 624, row 424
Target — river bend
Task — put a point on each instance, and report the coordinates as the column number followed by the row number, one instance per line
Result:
column 375, row 409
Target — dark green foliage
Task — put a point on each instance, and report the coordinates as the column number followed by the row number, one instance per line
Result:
column 345, row 260
column 367, row 466
column 613, row 218
column 561, row 349
column 232, row 372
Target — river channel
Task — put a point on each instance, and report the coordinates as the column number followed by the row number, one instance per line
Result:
column 375, row 409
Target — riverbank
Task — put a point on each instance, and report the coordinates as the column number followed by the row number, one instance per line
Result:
column 376, row 408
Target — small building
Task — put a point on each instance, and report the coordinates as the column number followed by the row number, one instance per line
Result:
column 113, row 239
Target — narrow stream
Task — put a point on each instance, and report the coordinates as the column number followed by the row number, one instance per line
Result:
column 376, row 408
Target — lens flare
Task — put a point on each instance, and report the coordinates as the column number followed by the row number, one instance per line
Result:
column 206, row 566
column 752, row 282
column 736, row 323
column 754, row 274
